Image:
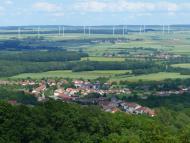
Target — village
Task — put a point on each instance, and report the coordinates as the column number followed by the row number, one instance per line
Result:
column 88, row 93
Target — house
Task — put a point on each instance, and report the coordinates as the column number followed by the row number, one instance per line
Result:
column 140, row 110
column 149, row 112
column 72, row 91
column 27, row 82
column 111, row 109
column 78, row 83
column 58, row 91
column 64, row 97
column 145, row 110
column 129, row 107
column 39, row 90
column 134, row 108
column 108, row 106
column 51, row 82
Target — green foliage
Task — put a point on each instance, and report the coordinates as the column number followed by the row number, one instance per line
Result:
column 70, row 123
column 42, row 56
column 9, row 93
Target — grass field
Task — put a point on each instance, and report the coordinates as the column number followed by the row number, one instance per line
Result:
column 112, row 74
column 103, row 59
column 152, row 77
column 70, row 74
column 177, row 42
column 182, row 65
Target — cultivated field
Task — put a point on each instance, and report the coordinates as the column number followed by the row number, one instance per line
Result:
column 175, row 42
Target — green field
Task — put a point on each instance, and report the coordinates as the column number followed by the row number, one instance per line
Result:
column 181, row 65
column 112, row 74
column 70, row 74
column 177, row 43
column 106, row 59
column 152, row 77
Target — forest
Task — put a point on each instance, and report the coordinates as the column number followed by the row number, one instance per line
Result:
column 59, row 122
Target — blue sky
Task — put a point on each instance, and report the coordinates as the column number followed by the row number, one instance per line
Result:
column 93, row 12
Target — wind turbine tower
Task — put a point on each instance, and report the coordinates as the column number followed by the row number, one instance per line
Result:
column 38, row 32
column 163, row 29
column 59, row 31
column 144, row 28
column 89, row 31
column 140, row 30
column 19, row 32
column 168, row 29
column 84, row 30
column 113, row 31
column 123, row 30
column 63, row 31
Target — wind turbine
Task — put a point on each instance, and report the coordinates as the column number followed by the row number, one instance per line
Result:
column 168, row 29
column 59, row 30
column 123, row 30
column 38, row 32
column 89, row 30
column 144, row 28
column 19, row 32
column 63, row 31
column 163, row 30
column 140, row 30
column 84, row 30
column 113, row 31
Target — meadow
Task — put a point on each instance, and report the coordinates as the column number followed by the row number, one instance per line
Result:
column 113, row 75
column 182, row 65
column 70, row 74
column 106, row 59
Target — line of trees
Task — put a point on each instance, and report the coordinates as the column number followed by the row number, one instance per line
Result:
column 43, row 56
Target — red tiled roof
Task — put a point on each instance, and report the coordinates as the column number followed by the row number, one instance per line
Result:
column 64, row 96
column 132, row 104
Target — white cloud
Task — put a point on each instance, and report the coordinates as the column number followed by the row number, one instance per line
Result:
column 58, row 14
column 168, row 6
column 46, row 6
column 1, row 10
column 137, row 8
column 93, row 6
column 8, row 2
column 129, row 6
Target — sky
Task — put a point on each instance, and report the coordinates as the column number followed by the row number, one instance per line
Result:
column 93, row 12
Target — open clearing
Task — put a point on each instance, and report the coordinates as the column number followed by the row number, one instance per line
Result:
column 181, row 65
column 152, row 77
column 114, row 75
column 104, row 59
column 74, row 75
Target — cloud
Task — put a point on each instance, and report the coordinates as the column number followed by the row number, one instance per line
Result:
column 8, row 2
column 58, row 14
column 46, row 7
column 2, row 10
column 51, row 9
column 129, row 6
column 92, row 6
